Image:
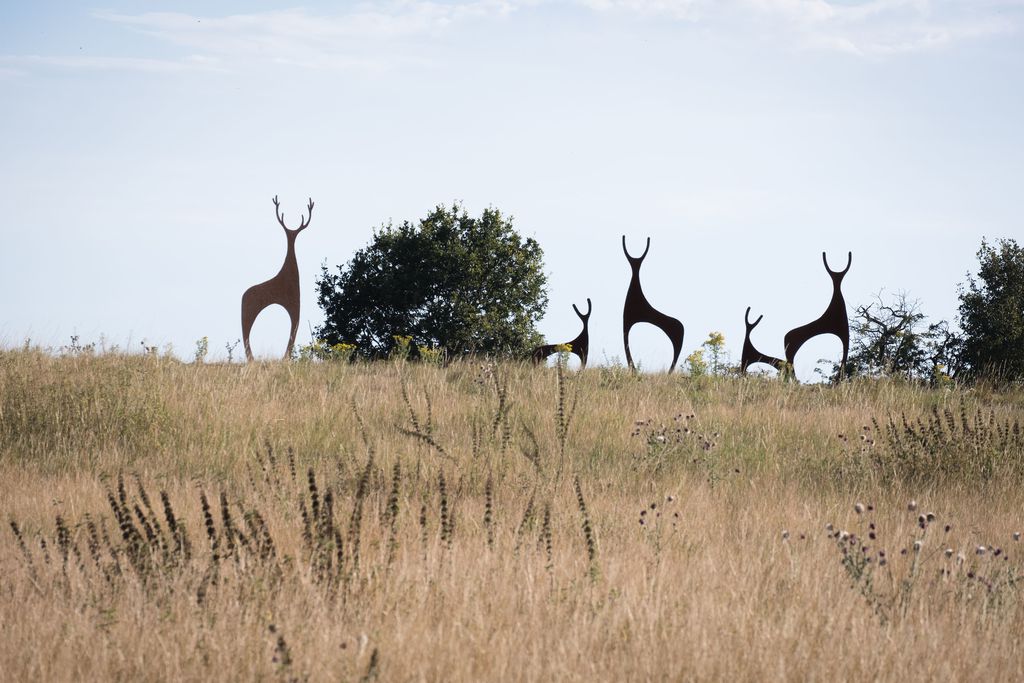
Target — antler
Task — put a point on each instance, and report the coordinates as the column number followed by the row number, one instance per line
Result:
column 746, row 319
column 277, row 212
column 280, row 218
column 849, row 262
column 637, row 258
column 589, row 309
column 305, row 221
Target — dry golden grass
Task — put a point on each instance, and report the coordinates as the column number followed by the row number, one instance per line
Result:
column 530, row 562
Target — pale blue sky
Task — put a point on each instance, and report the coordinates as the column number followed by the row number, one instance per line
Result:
column 141, row 142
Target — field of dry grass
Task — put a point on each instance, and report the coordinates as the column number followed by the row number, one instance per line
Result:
column 398, row 522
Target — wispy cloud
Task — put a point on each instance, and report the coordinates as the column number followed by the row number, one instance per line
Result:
column 382, row 34
column 370, row 36
column 19, row 64
column 861, row 27
column 359, row 38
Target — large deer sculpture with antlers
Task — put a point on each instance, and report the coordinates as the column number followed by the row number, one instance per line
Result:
column 638, row 310
column 282, row 289
column 833, row 321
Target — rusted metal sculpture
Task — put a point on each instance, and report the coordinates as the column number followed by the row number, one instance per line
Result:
column 282, row 289
column 638, row 310
column 833, row 321
column 580, row 345
column 750, row 354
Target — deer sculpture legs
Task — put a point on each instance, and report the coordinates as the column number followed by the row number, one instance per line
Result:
column 282, row 289
column 750, row 354
column 261, row 296
column 833, row 321
column 638, row 310
column 580, row 345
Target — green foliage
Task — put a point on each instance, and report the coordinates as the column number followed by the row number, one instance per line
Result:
column 696, row 366
column 992, row 313
column 715, row 345
column 202, row 348
column 319, row 350
column 402, row 347
column 891, row 338
column 451, row 282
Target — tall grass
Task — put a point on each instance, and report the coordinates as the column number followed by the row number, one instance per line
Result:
column 486, row 521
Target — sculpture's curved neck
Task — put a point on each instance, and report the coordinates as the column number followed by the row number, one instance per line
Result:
column 290, row 265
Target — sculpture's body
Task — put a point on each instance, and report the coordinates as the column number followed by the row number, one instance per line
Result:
column 281, row 289
column 638, row 310
column 750, row 354
column 580, row 345
column 833, row 321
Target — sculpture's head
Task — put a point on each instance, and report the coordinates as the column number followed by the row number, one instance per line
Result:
column 583, row 317
column 837, row 275
column 292, row 234
column 635, row 261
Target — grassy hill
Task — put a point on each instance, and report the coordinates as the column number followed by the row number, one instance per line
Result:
column 499, row 521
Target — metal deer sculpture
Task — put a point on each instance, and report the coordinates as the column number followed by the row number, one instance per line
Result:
column 638, row 310
column 833, row 321
column 281, row 289
column 750, row 354
column 580, row 345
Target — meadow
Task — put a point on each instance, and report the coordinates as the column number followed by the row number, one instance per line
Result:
column 495, row 521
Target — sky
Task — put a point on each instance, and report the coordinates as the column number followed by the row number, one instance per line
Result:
column 141, row 144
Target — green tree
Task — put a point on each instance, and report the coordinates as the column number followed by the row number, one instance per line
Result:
column 468, row 285
column 891, row 338
column 992, row 313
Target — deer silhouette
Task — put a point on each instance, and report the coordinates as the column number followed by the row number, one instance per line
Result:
column 638, row 310
column 580, row 345
column 282, row 289
column 833, row 321
column 750, row 354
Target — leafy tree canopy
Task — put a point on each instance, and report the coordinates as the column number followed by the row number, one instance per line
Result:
column 891, row 338
column 992, row 313
column 468, row 285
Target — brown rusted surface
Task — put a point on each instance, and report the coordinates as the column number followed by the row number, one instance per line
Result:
column 638, row 310
column 750, row 353
column 833, row 321
column 580, row 345
column 282, row 289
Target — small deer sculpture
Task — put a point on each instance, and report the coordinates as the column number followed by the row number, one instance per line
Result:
column 282, row 289
column 833, row 321
column 638, row 310
column 580, row 345
column 750, row 354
